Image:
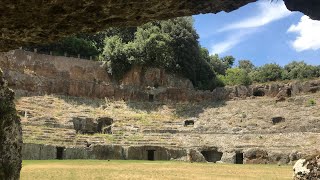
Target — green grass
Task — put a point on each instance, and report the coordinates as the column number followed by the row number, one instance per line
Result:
column 117, row 169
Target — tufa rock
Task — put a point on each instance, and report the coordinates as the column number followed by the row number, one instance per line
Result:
column 255, row 156
column 10, row 134
column 307, row 169
column 309, row 8
column 32, row 21
column 195, row 156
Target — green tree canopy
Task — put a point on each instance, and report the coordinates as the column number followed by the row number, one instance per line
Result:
column 267, row 72
column 171, row 44
column 299, row 70
column 247, row 65
column 236, row 76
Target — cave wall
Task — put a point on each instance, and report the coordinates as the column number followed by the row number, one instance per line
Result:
column 10, row 134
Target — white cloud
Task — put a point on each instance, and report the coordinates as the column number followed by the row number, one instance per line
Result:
column 309, row 34
column 223, row 47
column 229, row 43
column 267, row 12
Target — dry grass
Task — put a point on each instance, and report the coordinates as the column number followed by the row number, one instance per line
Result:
column 90, row 169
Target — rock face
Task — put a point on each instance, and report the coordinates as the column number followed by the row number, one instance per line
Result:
column 307, row 169
column 87, row 125
column 256, row 156
column 33, row 22
column 309, row 8
column 10, row 134
column 38, row 152
column 45, row 74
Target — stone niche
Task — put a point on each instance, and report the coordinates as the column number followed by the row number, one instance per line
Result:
column 86, row 125
column 148, row 153
column 189, row 122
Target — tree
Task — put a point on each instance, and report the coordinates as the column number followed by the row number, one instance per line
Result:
column 299, row 70
column 71, row 45
column 246, row 65
column 220, row 65
column 267, row 72
column 172, row 45
column 117, row 55
column 236, row 76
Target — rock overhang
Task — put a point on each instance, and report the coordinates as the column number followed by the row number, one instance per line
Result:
column 39, row 22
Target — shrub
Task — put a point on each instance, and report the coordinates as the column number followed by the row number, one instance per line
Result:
column 236, row 76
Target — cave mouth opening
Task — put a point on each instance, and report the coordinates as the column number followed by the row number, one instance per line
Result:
column 60, row 151
column 151, row 97
column 239, row 158
column 212, row 155
column 258, row 93
column 151, row 155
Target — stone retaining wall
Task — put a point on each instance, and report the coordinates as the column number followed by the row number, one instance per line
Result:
column 117, row 152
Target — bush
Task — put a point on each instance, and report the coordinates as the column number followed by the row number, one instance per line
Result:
column 236, row 76
column 299, row 70
column 267, row 72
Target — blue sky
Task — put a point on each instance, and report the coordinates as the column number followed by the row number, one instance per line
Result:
column 262, row 32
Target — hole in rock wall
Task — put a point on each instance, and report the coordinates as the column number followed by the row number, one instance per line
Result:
column 151, row 155
column 189, row 123
column 276, row 120
column 258, row 93
column 212, row 155
column 289, row 93
column 151, row 97
column 239, row 158
column 60, row 151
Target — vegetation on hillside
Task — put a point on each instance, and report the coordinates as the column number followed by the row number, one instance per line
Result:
column 173, row 45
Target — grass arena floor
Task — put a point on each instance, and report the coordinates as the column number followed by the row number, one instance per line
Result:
column 117, row 169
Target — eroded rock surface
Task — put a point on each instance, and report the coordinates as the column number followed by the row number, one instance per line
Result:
column 310, row 8
column 42, row 21
column 10, row 134
column 307, row 169
column 45, row 74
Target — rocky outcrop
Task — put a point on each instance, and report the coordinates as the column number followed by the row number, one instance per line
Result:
column 256, row 156
column 194, row 155
column 85, row 125
column 32, row 22
column 10, row 134
column 307, row 169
